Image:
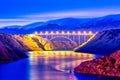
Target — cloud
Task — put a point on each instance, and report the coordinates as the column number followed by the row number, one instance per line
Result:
column 27, row 19
column 9, row 22
column 74, row 13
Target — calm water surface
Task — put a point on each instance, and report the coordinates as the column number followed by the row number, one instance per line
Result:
column 48, row 65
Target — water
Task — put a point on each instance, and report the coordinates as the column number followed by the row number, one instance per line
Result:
column 48, row 65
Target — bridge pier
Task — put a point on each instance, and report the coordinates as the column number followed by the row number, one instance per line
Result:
column 79, row 39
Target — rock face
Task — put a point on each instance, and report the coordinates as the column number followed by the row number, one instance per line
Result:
column 104, row 42
column 33, row 43
column 10, row 49
column 105, row 65
column 13, row 47
column 62, row 45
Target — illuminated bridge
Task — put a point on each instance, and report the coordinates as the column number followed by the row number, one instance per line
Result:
column 77, row 37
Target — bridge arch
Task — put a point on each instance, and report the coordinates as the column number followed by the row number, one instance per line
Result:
column 63, row 38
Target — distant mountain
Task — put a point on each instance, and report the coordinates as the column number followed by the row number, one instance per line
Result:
column 69, row 22
column 94, row 24
column 105, row 42
column 33, row 25
column 13, row 27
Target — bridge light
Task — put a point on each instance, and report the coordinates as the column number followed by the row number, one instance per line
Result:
column 96, row 32
column 57, row 32
column 63, row 32
column 35, row 32
column 73, row 32
column 41, row 33
column 84, row 32
column 79, row 32
column 51, row 32
column 68, row 32
column 31, row 35
column 90, row 32
column 46, row 32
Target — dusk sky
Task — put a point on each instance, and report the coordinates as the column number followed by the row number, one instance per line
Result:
column 21, row 12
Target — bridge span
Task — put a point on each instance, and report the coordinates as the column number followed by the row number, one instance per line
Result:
column 79, row 37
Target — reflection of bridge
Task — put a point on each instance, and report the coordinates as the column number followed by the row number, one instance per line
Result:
column 58, row 56
column 76, row 37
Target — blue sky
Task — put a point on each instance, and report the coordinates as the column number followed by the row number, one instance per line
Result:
column 21, row 12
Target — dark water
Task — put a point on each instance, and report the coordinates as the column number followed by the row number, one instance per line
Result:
column 48, row 65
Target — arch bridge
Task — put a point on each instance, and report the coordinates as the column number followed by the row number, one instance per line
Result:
column 78, row 37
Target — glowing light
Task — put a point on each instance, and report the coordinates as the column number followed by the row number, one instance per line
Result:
column 63, row 32
column 84, row 32
column 46, row 32
column 73, row 32
column 68, row 32
column 31, row 35
column 41, row 33
column 79, row 32
column 90, row 32
column 51, row 32
column 57, row 32
column 96, row 33
column 36, row 32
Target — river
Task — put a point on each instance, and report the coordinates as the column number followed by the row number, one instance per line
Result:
column 48, row 65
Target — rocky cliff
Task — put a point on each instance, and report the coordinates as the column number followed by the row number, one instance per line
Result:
column 105, row 42
column 13, row 47
column 33, row 42
column 62, row 45
column 105, row 65
column 10, row 49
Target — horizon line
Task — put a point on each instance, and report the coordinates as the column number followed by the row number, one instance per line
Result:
column 29, row 19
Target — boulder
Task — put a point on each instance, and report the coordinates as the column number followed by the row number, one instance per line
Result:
column 104, row 65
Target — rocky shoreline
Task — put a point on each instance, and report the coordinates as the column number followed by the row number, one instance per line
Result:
column 14, row 47
column 10, row 49
column 104, row 65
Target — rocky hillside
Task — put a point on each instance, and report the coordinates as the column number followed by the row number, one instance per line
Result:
column 13, row 47
column 62, row 45
column 33, row 42
column 10, row 48
column 105, row 42
column 105, row 65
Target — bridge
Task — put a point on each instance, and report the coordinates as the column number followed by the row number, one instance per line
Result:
column 78, row 37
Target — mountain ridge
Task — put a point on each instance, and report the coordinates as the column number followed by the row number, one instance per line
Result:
column 94, row 24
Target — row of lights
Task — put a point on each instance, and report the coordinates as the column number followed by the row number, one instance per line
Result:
column 63, row 32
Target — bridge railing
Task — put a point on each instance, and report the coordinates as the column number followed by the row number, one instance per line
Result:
column 65, row 33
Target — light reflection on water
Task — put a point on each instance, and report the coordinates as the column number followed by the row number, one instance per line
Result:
column 48, row 65
column 55, row 65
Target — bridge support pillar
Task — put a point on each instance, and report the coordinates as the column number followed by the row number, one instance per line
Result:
column 85, row 38
column 79, row 39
